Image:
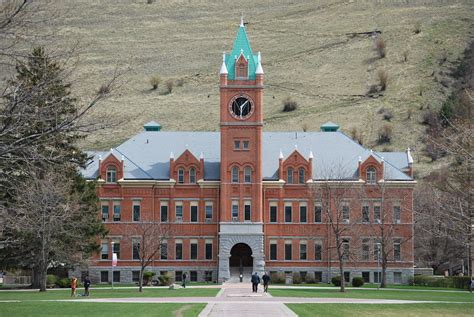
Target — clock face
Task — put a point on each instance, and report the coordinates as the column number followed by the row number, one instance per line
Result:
column 241, row 107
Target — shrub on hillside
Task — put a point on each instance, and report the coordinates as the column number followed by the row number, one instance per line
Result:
column 382, row 77
column 154, row 82
column 180, row 82
column 103, row 90
column 357, row 135
column 357, row 281
column 417, row 27
column 336, row 280
column 289, row 105
column 380, row 47
column 405, row 55
column 169, row 86
column 385, row 134
column 430, row 118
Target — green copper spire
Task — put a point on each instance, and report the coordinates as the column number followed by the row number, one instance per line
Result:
column 241, row 46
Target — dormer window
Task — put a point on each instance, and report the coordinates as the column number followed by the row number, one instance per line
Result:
column 241, row 68
column 371, row 175
column 301, row 176
column 111, row 174
column 289, row 176
column 181, row 176
column 192, row 175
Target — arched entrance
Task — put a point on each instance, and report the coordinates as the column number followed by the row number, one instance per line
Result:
column 241, row 260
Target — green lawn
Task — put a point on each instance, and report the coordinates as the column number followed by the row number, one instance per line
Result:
column 108, row 293
column 390, row 286
column 385, row 294
column 386, row 310
column 53, row 309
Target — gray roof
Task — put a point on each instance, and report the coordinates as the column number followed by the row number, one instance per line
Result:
column 336, row 156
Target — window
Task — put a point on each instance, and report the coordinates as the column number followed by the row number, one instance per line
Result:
column 345, row 213
column 365, row 250
column 377, row 251
column 194, row 212
column 104, row 251
column 180, row 176
column 318, row 211
column 396, row 214
column 247, row 175
column 111, row 174
column 208, row 211
column 136, row 250
column 377, row 277
column 194, row 250
column 318, row 276
column 366, row 277
column 164, row 212
column 288, row 250
column 397, row 250
column 235, row 174
column 116, row 249
column 318, row 251
column 105, row 212
column 208, row 250
column 193, row 276
column 135, row 276
column 136, row 211
column 116, row 277
column 208, row 276
column 273, row 213
column 347, row 277
column 303, row 214
column 377, row 218
column 345, row 249
column 303, row 275
column 289, row 175
column 397, row 277
column 164, row 251
column 179, row 211
column 104, row 276
column 303, row 252
column 237, row 144
column 117, row 212
column 192, row 175
column 241, row 68
column 246, row 145
column 179, row 250
column 301, row 176
column 247, row 211
column 365, row 214
column 178, row 276
column 273, row 250
column 235, row 209
column 288, row 213
column 371, row 175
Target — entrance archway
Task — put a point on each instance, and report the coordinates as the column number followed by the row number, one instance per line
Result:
column 241, row 257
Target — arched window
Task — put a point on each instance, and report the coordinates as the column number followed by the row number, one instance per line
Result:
column 247, row 175
column 192, row 175
column 235, row 174
column 111, row 174
column 371, row 175
column 301, row 176
column 289, row 175
column 181, row 176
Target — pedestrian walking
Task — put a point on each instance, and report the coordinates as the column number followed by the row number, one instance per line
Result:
column 255, row 281
column 73, row 286
column 266, row 280
column 185, row 276
column 87, row 284
column 471, row 286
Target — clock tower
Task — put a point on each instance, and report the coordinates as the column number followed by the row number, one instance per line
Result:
column 241, row 125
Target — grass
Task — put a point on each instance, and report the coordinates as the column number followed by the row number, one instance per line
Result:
column 390, row 286
column 374, row 294
column 107, row 293
column 53, row 309
column 368, row 310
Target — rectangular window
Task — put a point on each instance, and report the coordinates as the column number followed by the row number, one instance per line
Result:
column 345, row 249
column 179, row 250
column 192, row 176
column 273, row 213
column 365, row 250
column 377, row 218
column 208, row 211
column 303, row 252
column 117, row 212
column 303, row 214
column 105, row 212
column 347, row 276
column 273, row 250
column 345, row 213
column 237, row 144
column 193, row 276
column 136, row 249
column 289, row 175
column 318, row 213
column 377, row 277
column 235, row 209
column 397, row 277
column 396, row 214
column 377, row 251
column 116, row 277
column 208, row 276
column 318, row 276
column 181, row 176
column 288, row 213
column 116, row 249
column 164, row 251
column 366, row 277
column 194, row 212
column 301, row 177
column 179, row 211
column 247, row 211
column 104, row 276
column 365, row 214
column 178, row 276
column 194, row 250
column 136, row 211
column 235, row 174
column 208, row 250
column 288, row 250
column 397, row 251
column 135, row 276
column 318, row 251
column 303, row 275
column 104, row 251
column 247, row 175
column 246, row 145
column 164, row 212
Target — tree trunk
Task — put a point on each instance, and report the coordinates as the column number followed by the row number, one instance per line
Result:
column 140, row 280
column 35, row 279
column 341, row 272
column 42, row 273
column 383, row 284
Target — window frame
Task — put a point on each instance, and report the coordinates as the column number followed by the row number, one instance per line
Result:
column 371, row 175
column 288, row 251
column 192, row 175
column 235, row 175
column 318, row 209
column 134, row 211
column 301, row 176
column 178, row 250
column 318, row 251
column 194, row 215
column 273, row 250
column 247, row 210
column 303, row 212
column 289, row 175
column 164, row 210
column 273, row 215
column 247, row 175
column 288, row 208
column 303, row 251
column 180, row 175
column 111, row 174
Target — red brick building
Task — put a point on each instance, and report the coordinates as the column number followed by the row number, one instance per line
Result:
column 246, row 200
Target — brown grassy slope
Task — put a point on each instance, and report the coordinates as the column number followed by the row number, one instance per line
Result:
column 306, row 55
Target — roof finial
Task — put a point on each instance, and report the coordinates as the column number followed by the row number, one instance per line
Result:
column 409, row 157
column 201, row 157
column 281, row 155
column 223, row 67
column 311, row 156
column 242, row 20
column 360, row 159
column 296, row 146
column 171, row 156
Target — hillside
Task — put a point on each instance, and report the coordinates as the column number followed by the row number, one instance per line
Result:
column 307, row 55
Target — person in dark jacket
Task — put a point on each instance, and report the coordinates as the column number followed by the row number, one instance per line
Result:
column 266, row 280
column 87, row 284
column 185, row 276
column 255, row 281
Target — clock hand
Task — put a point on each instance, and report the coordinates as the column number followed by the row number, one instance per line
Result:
column 242, row 108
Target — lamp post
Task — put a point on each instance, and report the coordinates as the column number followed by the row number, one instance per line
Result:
column 378, row 266
column 112, row 248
